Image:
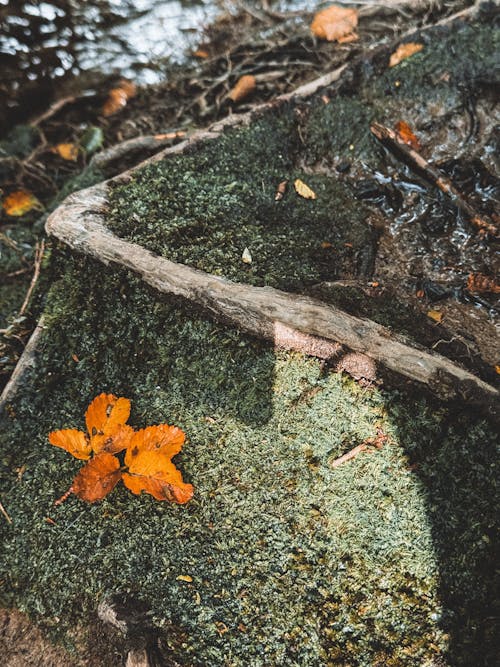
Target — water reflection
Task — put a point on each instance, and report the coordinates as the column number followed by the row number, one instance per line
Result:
column 45, row 45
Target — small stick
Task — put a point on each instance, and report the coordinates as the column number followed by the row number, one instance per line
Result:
column 4, row 512
column 64, row 496
column 40, row 247
column 369, row 443
column 415, row 160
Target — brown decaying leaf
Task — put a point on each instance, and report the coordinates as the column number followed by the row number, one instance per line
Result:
column 335, row 23
column 154, row 473
column 118, row 97
column 406, row 135
column 280, row 191
column 404, row 51
column 243, row 87
column 303, row 190
column 481, row 284
column 67, row 151
column 20, row 202
column 73, row 441
column 96, row 479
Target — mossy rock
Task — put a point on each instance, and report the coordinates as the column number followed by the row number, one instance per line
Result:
column 385, row 560
column 376, row 221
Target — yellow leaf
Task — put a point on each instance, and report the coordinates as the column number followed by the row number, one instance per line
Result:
column 67, row 151
column 20, row 202
column 304, row 190
column 244, row 86
column 497, row 369
column 335, row 23
column 404, row 51
column 185, row 577
column 435, row 315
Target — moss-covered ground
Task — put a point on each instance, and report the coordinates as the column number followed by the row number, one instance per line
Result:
column 205, row 207
column 386, row 560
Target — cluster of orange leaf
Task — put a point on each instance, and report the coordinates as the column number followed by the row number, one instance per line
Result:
column 148, row 453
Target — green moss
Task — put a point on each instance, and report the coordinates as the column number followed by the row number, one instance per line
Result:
column 205, row 208
column 299, row 560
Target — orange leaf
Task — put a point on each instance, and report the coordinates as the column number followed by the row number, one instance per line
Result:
column 244, row 86
column 335, row 23
column 113, row 441
column 66, row 151
column 73, row 441
column 105, row 413
column 162, row 438
column 118, row 97
column 96, row 479
column 154, row 473
column 481, row 284
column 20, row 202
column 406, row 135
column 404, row 51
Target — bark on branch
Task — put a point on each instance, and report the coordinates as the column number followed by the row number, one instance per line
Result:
column 261, row 311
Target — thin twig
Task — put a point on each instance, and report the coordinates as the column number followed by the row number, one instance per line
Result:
column 369, row 443
column 40, row 247
column 4, row 512
column 390, row 139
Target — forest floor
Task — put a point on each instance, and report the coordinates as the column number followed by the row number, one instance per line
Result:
column 413, row 507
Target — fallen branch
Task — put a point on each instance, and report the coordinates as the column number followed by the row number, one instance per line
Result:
column 261, row 311
column 390, row 139
column 26, row 361
column 145, row 144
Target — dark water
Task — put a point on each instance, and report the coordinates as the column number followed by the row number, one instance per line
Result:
column 48, row 48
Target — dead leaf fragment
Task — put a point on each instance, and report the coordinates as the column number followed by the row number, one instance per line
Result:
column 335, row 23
column 118, row 97
column 73, row 441
column 96, row 479
column 246, row 257
column 304, row 190
column 435, row 315
column 154, row 473
column 406, row 135
column 481, row 284
column 67, row 151
column 243, row 87
column 185, row 577
column 404, row 51
column 280, row 191
column 170, row 135
column 20, row 202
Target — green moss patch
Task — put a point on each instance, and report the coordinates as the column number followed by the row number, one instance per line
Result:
column 384, row 560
